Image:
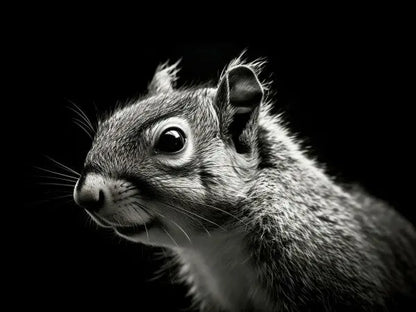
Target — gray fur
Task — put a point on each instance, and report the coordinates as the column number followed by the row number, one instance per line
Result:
column 311, row 245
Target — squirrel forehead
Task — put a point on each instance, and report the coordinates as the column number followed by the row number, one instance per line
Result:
column 144, row 112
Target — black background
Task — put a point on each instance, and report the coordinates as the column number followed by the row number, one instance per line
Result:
column 343, row 84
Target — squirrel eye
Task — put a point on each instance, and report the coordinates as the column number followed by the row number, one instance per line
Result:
column 171, row 140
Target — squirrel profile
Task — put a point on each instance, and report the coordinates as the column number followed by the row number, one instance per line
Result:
column 213, row 176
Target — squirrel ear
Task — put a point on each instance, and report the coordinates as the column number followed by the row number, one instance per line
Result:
column 245, row 91
column 164, row 79
column 238, row 100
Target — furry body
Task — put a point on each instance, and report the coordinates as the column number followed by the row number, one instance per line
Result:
column 309, row 245
column 255, row 224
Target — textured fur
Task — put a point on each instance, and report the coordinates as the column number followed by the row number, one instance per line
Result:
column 274, row 232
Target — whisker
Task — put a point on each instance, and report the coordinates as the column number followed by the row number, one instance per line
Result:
column 193, row 213
column 82, row 126
column 145, row 209
column 182, row 230
column 116, row 220
column 170, row 236
column 77, row 110
column 145, row 227
column 56, row 184
column 55, row 172
column 63, row 166
column 214, row 207
column 81, row 121
column 177, row 225
column 84, row 114
column 57, row 178
column 206, row 230
column 140, row 215
column 197, row 220
column 183, row 212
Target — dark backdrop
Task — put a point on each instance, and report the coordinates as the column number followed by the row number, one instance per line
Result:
column 343, row 87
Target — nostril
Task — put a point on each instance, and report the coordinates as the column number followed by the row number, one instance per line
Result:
column 91, row 200
column 101, row 198
column 90, row 192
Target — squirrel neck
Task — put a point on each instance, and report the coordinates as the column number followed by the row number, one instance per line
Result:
column 220, row 274
column 288, row 174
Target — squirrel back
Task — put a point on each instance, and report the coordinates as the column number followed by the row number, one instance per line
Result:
column 333, row 249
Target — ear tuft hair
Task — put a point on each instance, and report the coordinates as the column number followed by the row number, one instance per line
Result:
column 256, row 66
column 165, row 78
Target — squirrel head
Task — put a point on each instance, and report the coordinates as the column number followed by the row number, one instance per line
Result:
column 177, row 162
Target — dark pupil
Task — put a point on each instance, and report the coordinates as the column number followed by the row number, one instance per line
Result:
column 170, row 141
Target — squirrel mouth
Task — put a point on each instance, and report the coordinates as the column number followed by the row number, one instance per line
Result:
column 131, row 230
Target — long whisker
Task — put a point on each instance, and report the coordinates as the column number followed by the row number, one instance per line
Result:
column 147, row 232
column 144, row 223
column 57, row 178
column 214, row 207
column 77, row 110
column 116, row 219
column 205, row 229
column 55, row 172
column 56, row 184
column 170, row 236
column 182, row 230
column 177, row 225
column 62, row 165
column 193, row 213
column 87, row 127
column 80, row 124
column 140, row 215
column 183, row 212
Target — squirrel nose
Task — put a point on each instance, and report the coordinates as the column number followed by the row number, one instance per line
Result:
column 92, row 201
column 89, row 194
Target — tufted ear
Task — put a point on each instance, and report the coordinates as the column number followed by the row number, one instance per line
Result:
column 238, row 99
column 164, row 79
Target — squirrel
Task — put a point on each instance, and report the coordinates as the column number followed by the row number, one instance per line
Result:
column 212, row 175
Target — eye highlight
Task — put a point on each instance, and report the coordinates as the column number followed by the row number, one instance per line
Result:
column 171, row 140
